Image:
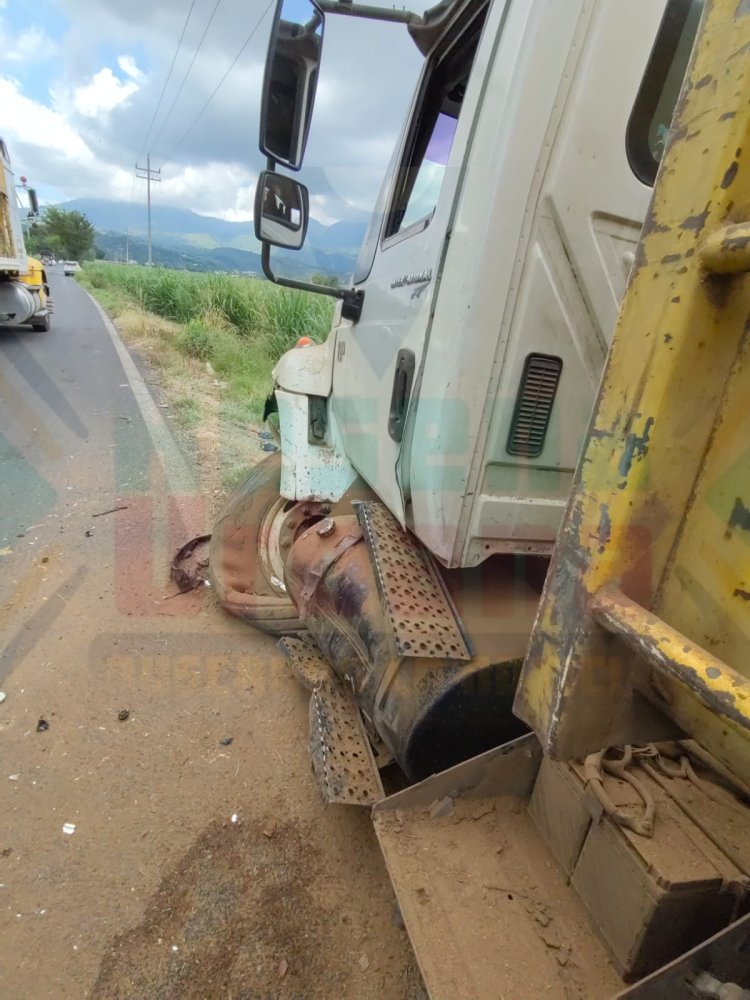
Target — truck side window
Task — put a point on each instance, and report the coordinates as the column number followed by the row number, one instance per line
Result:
column 648, row 127
column 431, row 137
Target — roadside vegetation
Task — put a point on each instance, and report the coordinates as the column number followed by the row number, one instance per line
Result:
column 212, row 340
column 63, row 234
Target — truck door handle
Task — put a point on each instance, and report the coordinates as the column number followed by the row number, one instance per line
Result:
column 402, row 381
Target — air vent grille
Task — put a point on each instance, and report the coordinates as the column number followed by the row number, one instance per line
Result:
column 536, row 394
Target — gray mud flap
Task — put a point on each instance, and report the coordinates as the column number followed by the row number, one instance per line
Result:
column 342, row 759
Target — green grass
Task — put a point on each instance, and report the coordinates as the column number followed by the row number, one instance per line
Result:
column 259, row 312
column 238, row 326
column 187, row 410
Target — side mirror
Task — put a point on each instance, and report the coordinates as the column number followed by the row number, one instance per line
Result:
column 281, row 211
column 33, row 202
column 290, row 81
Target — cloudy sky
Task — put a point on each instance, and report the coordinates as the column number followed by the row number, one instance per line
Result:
column 80, row 84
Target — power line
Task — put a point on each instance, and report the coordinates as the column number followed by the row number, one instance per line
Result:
column 187, row 73
column 169, row 77
column 218, row 85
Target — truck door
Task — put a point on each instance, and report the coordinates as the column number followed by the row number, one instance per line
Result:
column 597, row 187
column 588, row 221
column 559, row 303
column 376, row 358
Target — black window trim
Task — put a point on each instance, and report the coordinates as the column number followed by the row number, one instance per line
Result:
column 655, row 75
column 472, row 29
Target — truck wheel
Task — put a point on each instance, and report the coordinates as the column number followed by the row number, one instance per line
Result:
column 245, row 567
column 42, row 324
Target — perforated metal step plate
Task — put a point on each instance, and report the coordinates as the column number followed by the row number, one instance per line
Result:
column 305, row 660
column 341, row 755
column 421, row 613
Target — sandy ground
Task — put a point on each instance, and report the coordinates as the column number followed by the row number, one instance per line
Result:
column 200, row 860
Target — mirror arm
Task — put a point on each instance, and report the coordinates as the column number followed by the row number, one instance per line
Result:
column 368, row 11
column 351, row 298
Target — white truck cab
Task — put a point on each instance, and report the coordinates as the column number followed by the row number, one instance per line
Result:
column 491, row 275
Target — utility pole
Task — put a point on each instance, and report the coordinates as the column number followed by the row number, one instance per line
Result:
column 149, row 175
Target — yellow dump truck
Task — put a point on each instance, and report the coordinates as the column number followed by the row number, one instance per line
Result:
column 24, row 290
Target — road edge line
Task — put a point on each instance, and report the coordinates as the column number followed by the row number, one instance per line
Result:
column 180, row 477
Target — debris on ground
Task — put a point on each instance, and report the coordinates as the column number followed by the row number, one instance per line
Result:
column 364, row 963
column 69, row 828
column 283, row 968
column 188, row 568
column 123, row 714
column 42, row 726
column 227, row 741
column 3, row 696
column 89, row 532
column 112, row 510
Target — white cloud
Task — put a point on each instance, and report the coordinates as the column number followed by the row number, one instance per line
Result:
column 222, row 190
column 84, row 138
column 44, row 145
column 30, row 46
column 102, row 94
column 319, row 210
column 24, row 119
column 129, row 67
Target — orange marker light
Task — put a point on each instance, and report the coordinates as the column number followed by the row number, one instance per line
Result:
column 304, row 342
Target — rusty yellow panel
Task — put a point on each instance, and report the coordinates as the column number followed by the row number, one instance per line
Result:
column 706, row 590
column 679, row 338
column 7, row 246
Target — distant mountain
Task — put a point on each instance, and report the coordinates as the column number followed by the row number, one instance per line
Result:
column 186, row 239
column 217, row 259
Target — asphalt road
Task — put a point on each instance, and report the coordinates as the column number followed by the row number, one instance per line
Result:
column 144, row 857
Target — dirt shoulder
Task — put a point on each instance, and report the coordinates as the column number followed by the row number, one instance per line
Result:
column 220, row 439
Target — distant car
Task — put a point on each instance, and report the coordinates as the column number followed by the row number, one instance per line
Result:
column 70, row 267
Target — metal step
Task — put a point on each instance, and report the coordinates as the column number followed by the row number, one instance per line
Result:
column 341, row 755
column 342, row 758
column 307, row 663
column 423, row 617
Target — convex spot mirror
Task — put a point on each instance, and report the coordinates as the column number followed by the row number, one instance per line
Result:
column 290, row 81
column 281, row 211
